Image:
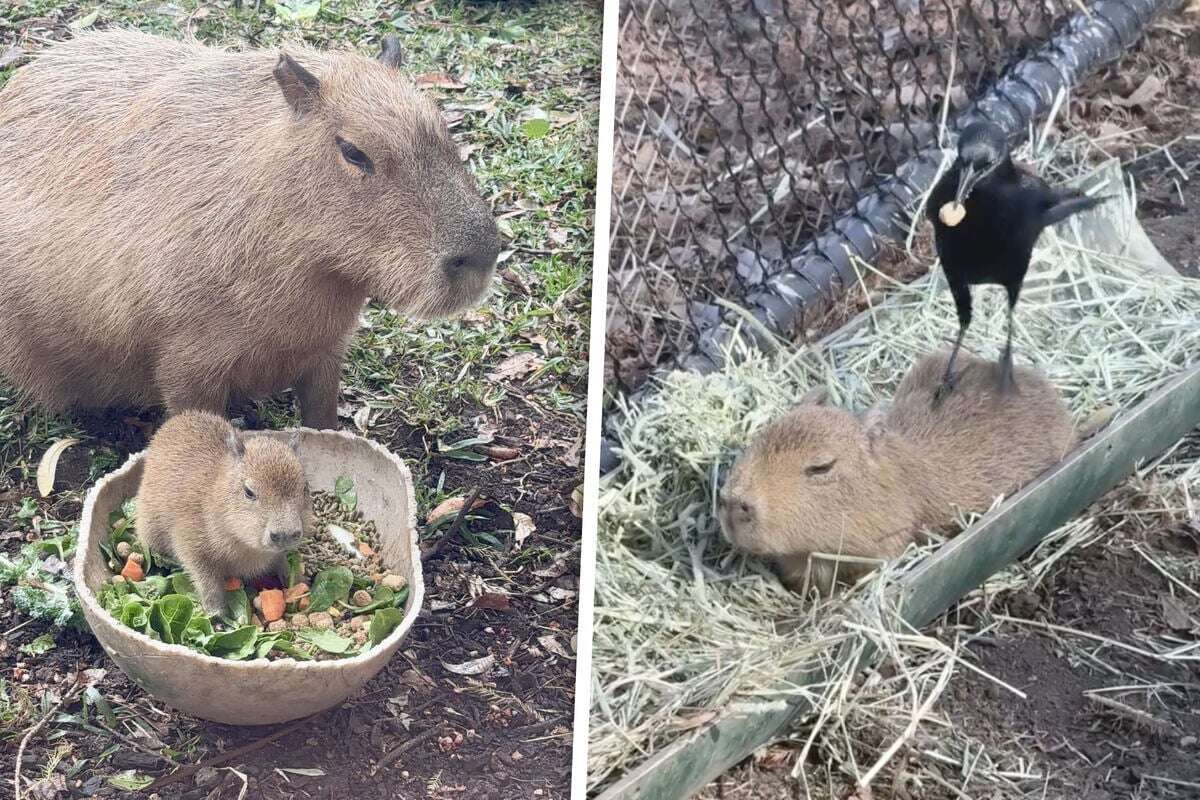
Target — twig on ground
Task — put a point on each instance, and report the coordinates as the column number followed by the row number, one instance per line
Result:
column 391, row 756
column 68, row 695
column 1138, row 717
column 452, row 532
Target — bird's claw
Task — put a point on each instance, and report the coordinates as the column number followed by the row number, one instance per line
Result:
column 944, row 389
column 1006, row 382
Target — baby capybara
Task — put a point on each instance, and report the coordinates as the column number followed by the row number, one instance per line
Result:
column 182, row 225
column 223, row 504
column 822, row 480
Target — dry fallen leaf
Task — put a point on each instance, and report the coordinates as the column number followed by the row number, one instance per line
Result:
column 551, row 644
column 498, row 452
column 538, row 340
column 515, row 367
column 449, row 507
column 557, row 569
column 492, row 600
column 476, row 666
column 438, row 80
column 415, row 679
column 575, row 501
column 48, row 466
column 1143, row 95
column 524, row 527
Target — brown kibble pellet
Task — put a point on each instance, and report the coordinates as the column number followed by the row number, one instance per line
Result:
column 123, row 549
column 394, row 582
column 319, row 619
column 277, row 625
column 361, row 598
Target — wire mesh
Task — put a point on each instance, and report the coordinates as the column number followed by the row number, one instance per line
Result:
column 745, row 127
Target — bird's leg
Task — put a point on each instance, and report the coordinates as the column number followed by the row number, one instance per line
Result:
column 962, row 302
column 949, row 379
column 1007, row 382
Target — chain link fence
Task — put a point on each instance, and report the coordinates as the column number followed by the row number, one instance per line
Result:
column 745, row 128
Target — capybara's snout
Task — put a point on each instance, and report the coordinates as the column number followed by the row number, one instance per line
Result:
column 467, row 261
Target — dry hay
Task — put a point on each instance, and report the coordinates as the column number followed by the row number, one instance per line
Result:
column 686, row 629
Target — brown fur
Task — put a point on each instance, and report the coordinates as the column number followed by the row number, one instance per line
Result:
column 178, row 224
column 894, row 471
column 193, row 504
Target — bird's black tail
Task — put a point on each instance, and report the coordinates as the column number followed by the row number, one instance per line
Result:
column 1072, row 204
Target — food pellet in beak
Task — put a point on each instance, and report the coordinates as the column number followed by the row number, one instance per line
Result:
column 952, row 213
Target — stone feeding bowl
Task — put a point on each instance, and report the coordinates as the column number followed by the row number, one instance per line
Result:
column 258, row 692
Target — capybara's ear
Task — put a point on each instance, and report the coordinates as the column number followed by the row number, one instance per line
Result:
column 390, row 52
column 233, row 441
column 816, row 396
column 875, row 424
column 300, row 87
column 294, row 441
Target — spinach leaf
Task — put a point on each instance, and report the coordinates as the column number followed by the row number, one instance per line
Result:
column 330, row 586
column 383, row 623
column 326, row 639
column 236, row 644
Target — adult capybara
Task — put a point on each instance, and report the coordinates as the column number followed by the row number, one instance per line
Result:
column 823, row 480
column 182, row 225
column 223, row 504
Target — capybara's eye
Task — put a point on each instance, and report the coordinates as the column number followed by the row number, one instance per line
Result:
column 820, row 469
column 250, row 495
column 355, row 156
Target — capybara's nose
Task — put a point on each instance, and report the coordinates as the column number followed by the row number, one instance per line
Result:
column 285, row 538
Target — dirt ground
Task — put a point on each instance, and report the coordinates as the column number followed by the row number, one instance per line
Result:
column 1092, row 752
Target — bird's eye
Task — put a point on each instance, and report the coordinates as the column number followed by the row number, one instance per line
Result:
column 354, row 156
column 820, row 469
column 250, row 495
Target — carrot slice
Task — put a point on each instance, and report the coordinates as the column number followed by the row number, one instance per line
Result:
column 132, row 571
column 272, row 604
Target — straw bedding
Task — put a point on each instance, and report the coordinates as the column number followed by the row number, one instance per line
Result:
column 685, row 629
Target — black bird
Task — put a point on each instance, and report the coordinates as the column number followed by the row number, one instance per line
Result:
column 1006, row 211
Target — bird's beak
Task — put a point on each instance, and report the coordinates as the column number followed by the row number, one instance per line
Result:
column 966, row 182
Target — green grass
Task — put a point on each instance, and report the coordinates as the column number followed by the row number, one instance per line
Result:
column 517, row 60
